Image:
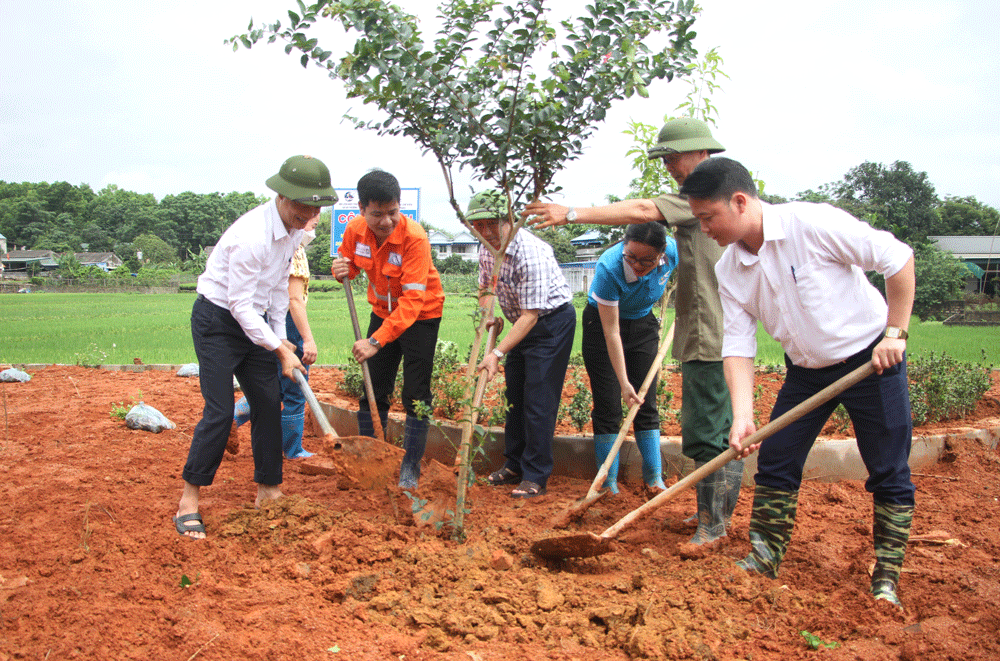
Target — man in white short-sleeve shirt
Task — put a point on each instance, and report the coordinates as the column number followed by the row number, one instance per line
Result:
column 799, row 269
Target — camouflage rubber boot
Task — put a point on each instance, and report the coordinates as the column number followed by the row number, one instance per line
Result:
column 771, row 526
column 890, row 531
column 734, row 481
column 711, row 493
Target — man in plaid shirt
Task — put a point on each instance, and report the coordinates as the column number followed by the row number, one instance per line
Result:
column 536, row 299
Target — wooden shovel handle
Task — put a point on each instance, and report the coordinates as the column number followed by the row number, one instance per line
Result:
column 779, row 423
column 369, row 389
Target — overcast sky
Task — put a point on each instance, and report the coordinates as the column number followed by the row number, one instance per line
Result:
column 146, row 96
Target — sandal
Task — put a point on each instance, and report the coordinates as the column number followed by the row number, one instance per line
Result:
column 503, row 476
column 181, row 524
column 527, row 489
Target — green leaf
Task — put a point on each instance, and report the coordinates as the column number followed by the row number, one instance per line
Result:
column 185, row 581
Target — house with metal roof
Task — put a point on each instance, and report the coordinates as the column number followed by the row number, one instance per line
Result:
column 981, row 254
column 21, row 260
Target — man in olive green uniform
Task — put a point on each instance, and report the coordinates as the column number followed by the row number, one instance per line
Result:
column 706, row 411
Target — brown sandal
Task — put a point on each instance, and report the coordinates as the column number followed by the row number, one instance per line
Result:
column 527, row 489
column 503, row 476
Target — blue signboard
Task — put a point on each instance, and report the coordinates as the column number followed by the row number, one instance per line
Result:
column 346, row 209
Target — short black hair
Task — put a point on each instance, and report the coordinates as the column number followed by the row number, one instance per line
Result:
column 651, row 234
column 378, row 186
column 718, row 178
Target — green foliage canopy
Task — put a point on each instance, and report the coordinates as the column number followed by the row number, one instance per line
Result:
column 494, row 112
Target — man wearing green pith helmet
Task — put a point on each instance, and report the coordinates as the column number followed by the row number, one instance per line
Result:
column 238, row 328
column 706, row 412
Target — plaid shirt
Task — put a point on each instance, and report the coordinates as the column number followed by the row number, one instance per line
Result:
column 530, row 277
column 300, row 269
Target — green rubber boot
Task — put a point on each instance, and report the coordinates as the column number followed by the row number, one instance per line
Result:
column 711, row 492
column 771, row 526
column 602, row 446
column 890, row 531
column 734, row 481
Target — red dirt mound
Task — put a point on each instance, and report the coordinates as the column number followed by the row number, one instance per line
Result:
column 91, row 568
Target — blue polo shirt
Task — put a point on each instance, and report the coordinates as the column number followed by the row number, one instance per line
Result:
column 616, row 284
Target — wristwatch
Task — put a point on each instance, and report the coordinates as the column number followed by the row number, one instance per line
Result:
column 570, row 216
column 896, row 333
column 499, row 354
column 375, row 343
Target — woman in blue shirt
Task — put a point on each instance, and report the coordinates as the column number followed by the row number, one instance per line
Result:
column 620, row 343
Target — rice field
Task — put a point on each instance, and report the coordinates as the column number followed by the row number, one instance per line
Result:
column 117, row 328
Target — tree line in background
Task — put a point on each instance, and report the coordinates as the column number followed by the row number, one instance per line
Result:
column 172, row 233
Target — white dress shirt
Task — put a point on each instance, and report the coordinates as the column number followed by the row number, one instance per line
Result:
column 807, row 284
column 247, row 273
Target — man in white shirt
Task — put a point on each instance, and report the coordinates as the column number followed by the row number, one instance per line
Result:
column 238, row 328
column 799, row 268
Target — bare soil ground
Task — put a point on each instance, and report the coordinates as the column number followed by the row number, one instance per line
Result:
column 91, row 567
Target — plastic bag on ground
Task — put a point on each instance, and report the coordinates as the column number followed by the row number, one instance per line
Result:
column 11, row 375
column 145, row 417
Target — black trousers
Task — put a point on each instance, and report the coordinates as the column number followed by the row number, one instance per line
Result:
column 535, row 371
column 224, row 350
column 640, row 342
column 415, row 348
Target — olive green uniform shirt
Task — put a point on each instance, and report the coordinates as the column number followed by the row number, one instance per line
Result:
column 698, row 329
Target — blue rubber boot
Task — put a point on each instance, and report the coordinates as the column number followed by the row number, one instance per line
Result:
column 602, row 446
column 241, row 411
column 291, row 437
column 652, row 466
column 414, row 442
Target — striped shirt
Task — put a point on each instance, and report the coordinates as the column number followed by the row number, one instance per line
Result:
column 530, row 277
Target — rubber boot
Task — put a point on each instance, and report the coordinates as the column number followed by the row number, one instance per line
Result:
column 711, row 492
column 365, row 425
column 734, row 481
column 602, row 446
column 652, row 467
column 414, row 442
column 890, row 531
column 771, row 524
column 291, row 437
column 241, row 411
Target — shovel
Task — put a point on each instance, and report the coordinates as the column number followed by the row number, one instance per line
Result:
column 578, row 509
column 477, row 399
column 360, row 461
column 369, row 389
column 588, row 544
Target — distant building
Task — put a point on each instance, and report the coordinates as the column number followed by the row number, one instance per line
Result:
column 462, row 244
column 107, row 261
column 20, row 260
column 588, row 245
column 3, row 246
column 981, row 254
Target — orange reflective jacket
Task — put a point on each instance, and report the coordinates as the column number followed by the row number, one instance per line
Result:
column 403, row 285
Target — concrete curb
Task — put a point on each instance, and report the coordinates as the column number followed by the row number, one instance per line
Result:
column 829, row 460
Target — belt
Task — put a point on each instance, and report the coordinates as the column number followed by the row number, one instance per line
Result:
column 562, row 307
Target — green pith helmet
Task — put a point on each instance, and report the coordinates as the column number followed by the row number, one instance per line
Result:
column 304, row 179
column 486, row 206
column 681, row 135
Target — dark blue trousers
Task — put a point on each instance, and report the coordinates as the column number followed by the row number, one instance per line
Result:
column 535, row 371
column 879, row 407
column 224, row 350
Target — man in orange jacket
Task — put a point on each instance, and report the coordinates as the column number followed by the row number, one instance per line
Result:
column 405, row 293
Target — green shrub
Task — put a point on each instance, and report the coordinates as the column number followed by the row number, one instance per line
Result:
column 942, row 388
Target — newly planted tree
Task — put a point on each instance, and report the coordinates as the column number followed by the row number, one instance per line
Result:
column 500, row 89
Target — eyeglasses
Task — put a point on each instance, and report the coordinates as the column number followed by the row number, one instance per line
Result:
column 646, row 263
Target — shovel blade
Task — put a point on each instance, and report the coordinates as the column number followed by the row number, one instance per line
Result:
column 586, row 545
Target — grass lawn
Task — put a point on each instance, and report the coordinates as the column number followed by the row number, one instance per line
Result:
column 116, row 328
